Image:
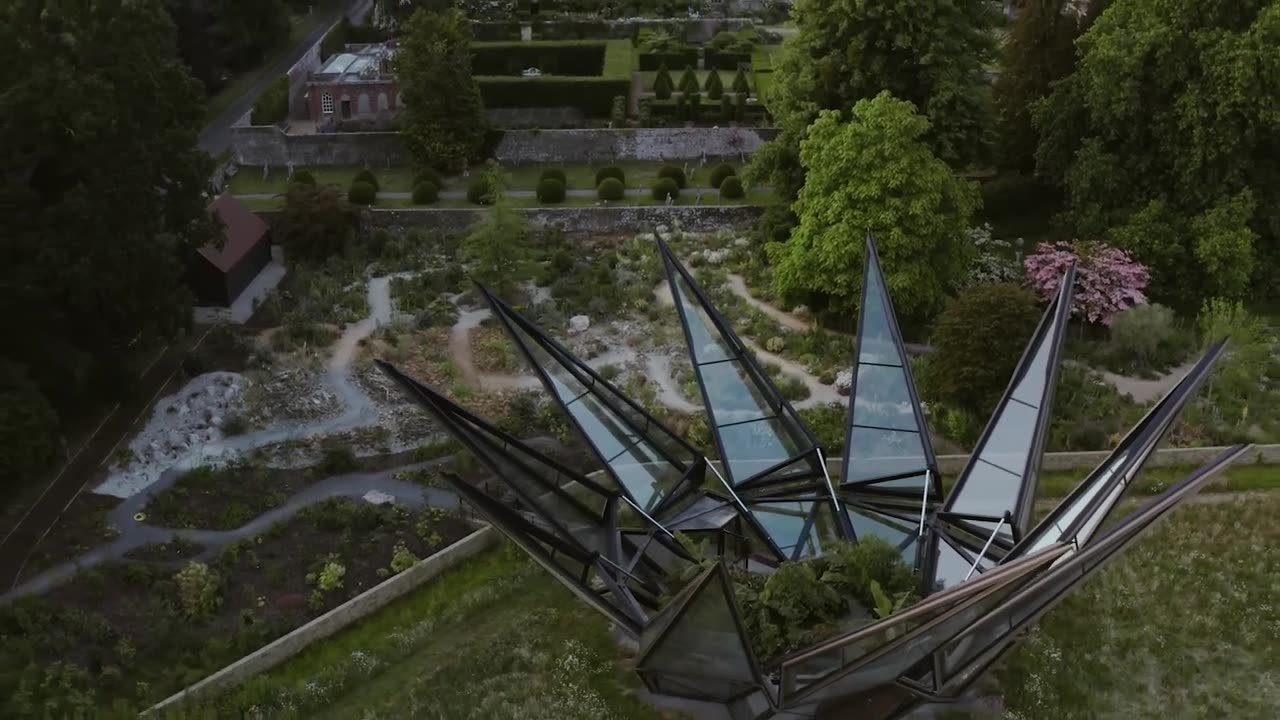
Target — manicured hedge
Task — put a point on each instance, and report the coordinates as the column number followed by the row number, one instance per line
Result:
column 676, row 174
column 478, row 191
column 550, row 190
column 725, row 60
column 554, row 174
column 303, row 177
column 664, row 188
column 576, row 58
column 425, row 193
column 720, row 173
column 273, row 105
column 362, row 193
column 594, row 96
column 428, row 175
column 612, row 171
column 366, row 175
column 611, row 189
column 731, row 188
column 679, row 59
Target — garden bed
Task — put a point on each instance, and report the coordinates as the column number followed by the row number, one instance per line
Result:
column 124, row 635
column 80, row 527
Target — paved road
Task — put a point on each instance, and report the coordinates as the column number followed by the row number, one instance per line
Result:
column 216, row 137
column 16, row 546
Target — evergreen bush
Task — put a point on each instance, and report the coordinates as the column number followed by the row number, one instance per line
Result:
column 689, row 80
column 726, row 107
column 731, row 188
column 714, row 86
column 619, row 112
column 610, row 188
column 554, row 174
column 740, row 84
column 478, row 191
column 676, row 174
column 550, row 190
column 666, row 187
column 303, row 177
column 612, row 171
column 662, row 84
column 720, row 172
column 695, row 106
column 366, row 175
column 425, row 193
column 362, row 193
column 428, row 175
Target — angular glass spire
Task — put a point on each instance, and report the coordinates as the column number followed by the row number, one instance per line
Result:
column 643, row 457
column 888, row 446
column 697, row 646
column 759, row 435
column 1078, row 517
column 999, row 481
column 975, row 647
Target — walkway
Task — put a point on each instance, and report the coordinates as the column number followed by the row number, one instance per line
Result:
column 707, row 193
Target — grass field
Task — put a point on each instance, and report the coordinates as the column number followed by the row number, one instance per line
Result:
column 1237, row 478
column 1184, row 627
column 496, row 638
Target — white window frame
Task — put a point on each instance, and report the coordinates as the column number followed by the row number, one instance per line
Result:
column 326, row 103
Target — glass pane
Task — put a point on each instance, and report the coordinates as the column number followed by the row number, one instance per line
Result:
column 754, row 447
column 705, row 643
column 646, row 475
column 788, row 525
column 1030, row 388
column 912, row 483
column 566, row 385
column 708, row 345
column 891, row 530
column 882, row 400
column 602, row 427
column 880, row 453
column 988, row 490
column 1009, row 443
column 952, row 567
column 876, row 340
column 733, row 395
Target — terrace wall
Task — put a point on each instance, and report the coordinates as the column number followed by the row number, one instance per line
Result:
column 256, row 145
column 597, row 220
column 338, row 618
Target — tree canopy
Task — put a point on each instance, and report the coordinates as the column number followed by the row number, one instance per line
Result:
column 103, row 190
column 443, row 118
column 1166, row 139
column 497, row 250
column 933, row 54
column 875, row 171
column 315, row 223
column 220, row 37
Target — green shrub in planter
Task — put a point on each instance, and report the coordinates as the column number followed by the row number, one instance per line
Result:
column 367, row 175
column 428, row 175
column 550, row 190
column 726, row 107
column 425, row 193
column 610, row 188
column 645, row 117
column 618, row 115
column 554, row 174
column 740, row 107
column 731, row 188
column 675, row 173
column 303, row 177
column 682, row 108
column 478, row 192
column 720, row 172
column 695, row 106
column 740, row 84
column 612, row 171
column 689, row 80
column 362, row 193
column 666, row 187
column 714, row 86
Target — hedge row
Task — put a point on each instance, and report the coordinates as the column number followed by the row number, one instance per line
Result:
column 684, row 58
column 594, row 96
column 726, row 60
column 273, row 105
column 577, row 58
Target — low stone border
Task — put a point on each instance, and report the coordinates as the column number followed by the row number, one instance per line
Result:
column 1164, row 457
column 358, row 607
column 603, row 220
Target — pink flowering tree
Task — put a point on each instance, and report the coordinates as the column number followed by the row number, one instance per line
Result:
column 1108, row 280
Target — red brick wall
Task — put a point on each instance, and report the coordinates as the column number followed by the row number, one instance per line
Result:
column 354, row 91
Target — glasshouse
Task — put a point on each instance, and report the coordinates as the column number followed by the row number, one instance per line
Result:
column 906, row 589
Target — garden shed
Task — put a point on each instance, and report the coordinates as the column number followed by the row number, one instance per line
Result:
column 217, row 275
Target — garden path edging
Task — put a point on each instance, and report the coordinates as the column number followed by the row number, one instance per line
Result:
column 358, row 607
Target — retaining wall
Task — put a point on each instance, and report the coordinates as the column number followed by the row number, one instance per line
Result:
column 598, row 220
column 338, row 618
column 255, row 145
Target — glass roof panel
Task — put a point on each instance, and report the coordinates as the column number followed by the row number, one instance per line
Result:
column 912, row 483
column 801, row 522
column 704, row 641
column 754, row 447
column 708, row 344
column 952, row 567
column 990, row 491
column 876, row 344
column 882, row 399
column 1030, row 387
column 890, row 529
column 645, row 474
column 734, row 396
column 874, row 453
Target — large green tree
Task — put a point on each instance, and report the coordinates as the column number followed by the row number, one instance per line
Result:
column 1166, row 139
column 875, row 171
column 315, row 224
column 933, row 54
column 102, row 190
column 443, row 118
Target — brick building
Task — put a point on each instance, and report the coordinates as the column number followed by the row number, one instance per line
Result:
column 354, row 89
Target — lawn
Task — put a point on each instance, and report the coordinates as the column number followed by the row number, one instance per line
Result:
column 1238, row 478
column 1184, row 627
column 495, row 638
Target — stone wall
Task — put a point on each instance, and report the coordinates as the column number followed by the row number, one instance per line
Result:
column 338, row 618
column 597, row 220
column 530, row 146
column 298, row 74
column 255, row 145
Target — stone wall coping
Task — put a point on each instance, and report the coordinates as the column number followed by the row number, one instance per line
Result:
column 358, row 607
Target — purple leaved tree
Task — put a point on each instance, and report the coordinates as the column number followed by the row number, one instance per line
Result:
column 1107, row 279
